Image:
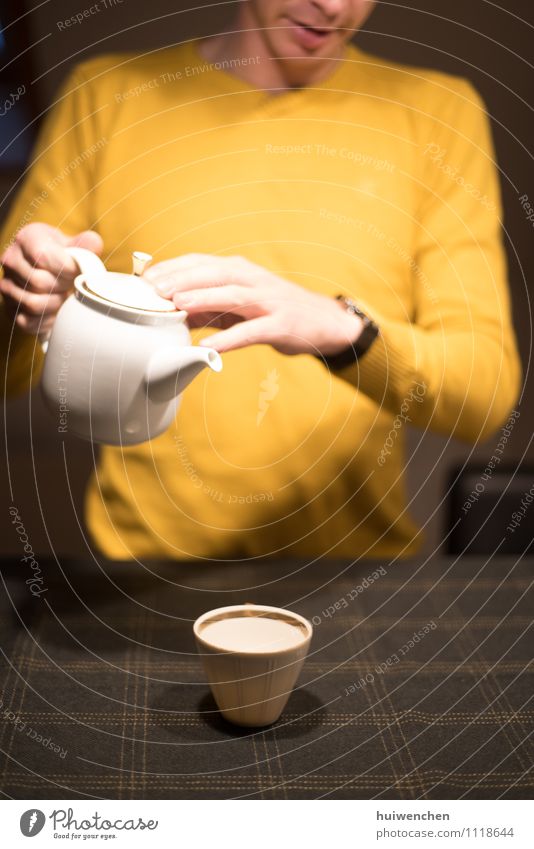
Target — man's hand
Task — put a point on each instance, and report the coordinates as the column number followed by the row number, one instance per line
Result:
column 39, row 273
column 253, row 306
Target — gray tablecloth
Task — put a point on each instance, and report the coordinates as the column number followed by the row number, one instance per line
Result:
column 419, row 683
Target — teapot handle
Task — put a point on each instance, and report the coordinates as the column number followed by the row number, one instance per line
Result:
column 89, row 264
column 87, row 261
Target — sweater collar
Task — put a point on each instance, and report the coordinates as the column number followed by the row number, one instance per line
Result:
column 219, row 76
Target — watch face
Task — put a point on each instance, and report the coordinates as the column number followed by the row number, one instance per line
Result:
column 351, row 306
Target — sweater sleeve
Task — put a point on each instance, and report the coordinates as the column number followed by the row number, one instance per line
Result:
column 57, row 190
column 456, row 354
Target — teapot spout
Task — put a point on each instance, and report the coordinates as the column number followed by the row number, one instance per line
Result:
column 171, row 370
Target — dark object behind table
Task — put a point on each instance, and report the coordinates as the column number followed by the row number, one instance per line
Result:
column 491, row 510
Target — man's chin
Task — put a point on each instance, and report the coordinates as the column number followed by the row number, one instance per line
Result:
column 295, row 56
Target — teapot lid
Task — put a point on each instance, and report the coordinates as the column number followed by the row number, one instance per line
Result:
column 128, row 290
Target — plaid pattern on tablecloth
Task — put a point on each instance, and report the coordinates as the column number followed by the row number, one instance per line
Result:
column 103, row 695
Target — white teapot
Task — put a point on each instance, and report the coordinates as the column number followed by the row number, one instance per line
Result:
column 118, row 356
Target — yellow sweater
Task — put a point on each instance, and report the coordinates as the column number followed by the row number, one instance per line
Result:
column 378, row 183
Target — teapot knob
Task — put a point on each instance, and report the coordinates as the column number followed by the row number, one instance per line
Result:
column 140, row 261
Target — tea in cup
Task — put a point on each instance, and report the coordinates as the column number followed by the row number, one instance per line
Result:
column 252, row 656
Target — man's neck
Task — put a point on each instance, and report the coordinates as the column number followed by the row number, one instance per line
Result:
column 245, row 39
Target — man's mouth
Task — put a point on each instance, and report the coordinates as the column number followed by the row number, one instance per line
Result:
column 308, row 36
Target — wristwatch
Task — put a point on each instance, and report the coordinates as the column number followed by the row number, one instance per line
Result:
column 358, row 348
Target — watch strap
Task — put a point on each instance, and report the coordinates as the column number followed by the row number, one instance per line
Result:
column 360, row 346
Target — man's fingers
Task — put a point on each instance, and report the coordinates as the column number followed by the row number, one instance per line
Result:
column 49, row 255
column 41, row 248
column 257, row 331
column 35, row 325
column 167, row 266
column 89, row 239
column 35, row 279
column 39, row 273
column 47, row 252
column 201, row 270
column 31, row 302
column 18, row 270
column 196, row 277
column 222, row 299
column 213, row 319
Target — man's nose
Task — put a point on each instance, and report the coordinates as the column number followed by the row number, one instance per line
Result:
column 330, row 8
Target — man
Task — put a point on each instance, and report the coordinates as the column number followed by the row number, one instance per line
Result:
column 270, row 169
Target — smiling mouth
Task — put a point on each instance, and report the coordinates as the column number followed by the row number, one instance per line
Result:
column 319, row 31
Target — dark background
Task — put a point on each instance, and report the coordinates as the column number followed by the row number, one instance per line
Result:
column 478, row 39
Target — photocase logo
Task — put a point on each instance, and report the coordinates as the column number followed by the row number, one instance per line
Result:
column 32, row 822
column 268, row 392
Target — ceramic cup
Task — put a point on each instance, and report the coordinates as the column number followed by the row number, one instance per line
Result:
column 252, row 655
